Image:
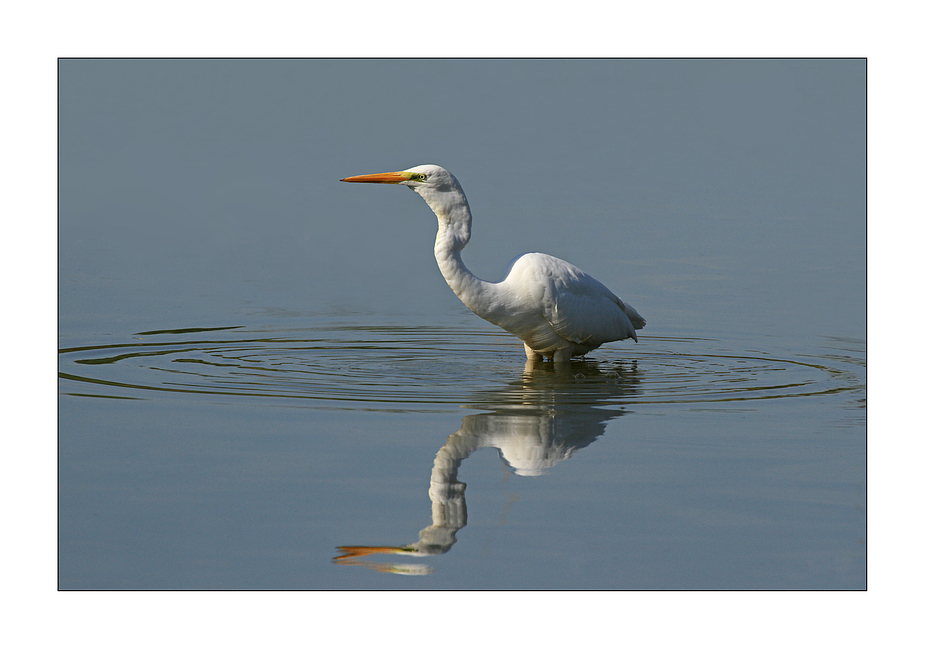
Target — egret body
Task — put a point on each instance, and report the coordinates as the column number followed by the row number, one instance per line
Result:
column 558, row 310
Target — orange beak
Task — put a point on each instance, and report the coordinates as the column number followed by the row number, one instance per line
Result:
column 391, row 177
column 353, row 551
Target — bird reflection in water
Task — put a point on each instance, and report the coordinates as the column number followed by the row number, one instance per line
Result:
column 537, row 422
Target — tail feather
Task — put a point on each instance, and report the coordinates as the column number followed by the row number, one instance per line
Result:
column 638, row 321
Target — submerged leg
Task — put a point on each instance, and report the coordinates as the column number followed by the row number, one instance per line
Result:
column 532, row 355
column 562, row 355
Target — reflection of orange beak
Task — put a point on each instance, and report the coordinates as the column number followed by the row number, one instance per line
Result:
column 354, row 551
column 391, row 177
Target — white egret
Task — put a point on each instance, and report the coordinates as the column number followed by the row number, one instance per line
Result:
column 558, row 310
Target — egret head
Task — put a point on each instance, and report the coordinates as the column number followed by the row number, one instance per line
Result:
column 415, row 178
column 437, row 186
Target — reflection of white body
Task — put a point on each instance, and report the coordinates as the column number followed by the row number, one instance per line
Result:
column 533, row 431
column 558, row 310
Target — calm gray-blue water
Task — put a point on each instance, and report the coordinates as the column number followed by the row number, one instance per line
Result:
column 265, row 383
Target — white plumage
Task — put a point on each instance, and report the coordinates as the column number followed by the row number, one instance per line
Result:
column 557, row 309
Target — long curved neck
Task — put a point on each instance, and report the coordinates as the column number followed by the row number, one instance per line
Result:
column 454, row 221
column 455, row 224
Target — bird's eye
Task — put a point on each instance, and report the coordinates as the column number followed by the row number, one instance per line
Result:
column 422, row 176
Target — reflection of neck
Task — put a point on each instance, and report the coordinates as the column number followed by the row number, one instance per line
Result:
column 444, row 485
column 447, row 493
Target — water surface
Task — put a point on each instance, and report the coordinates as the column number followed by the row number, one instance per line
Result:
column 427, row 451
column 265, row 383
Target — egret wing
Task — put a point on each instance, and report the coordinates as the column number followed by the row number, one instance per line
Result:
column 581, row 309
